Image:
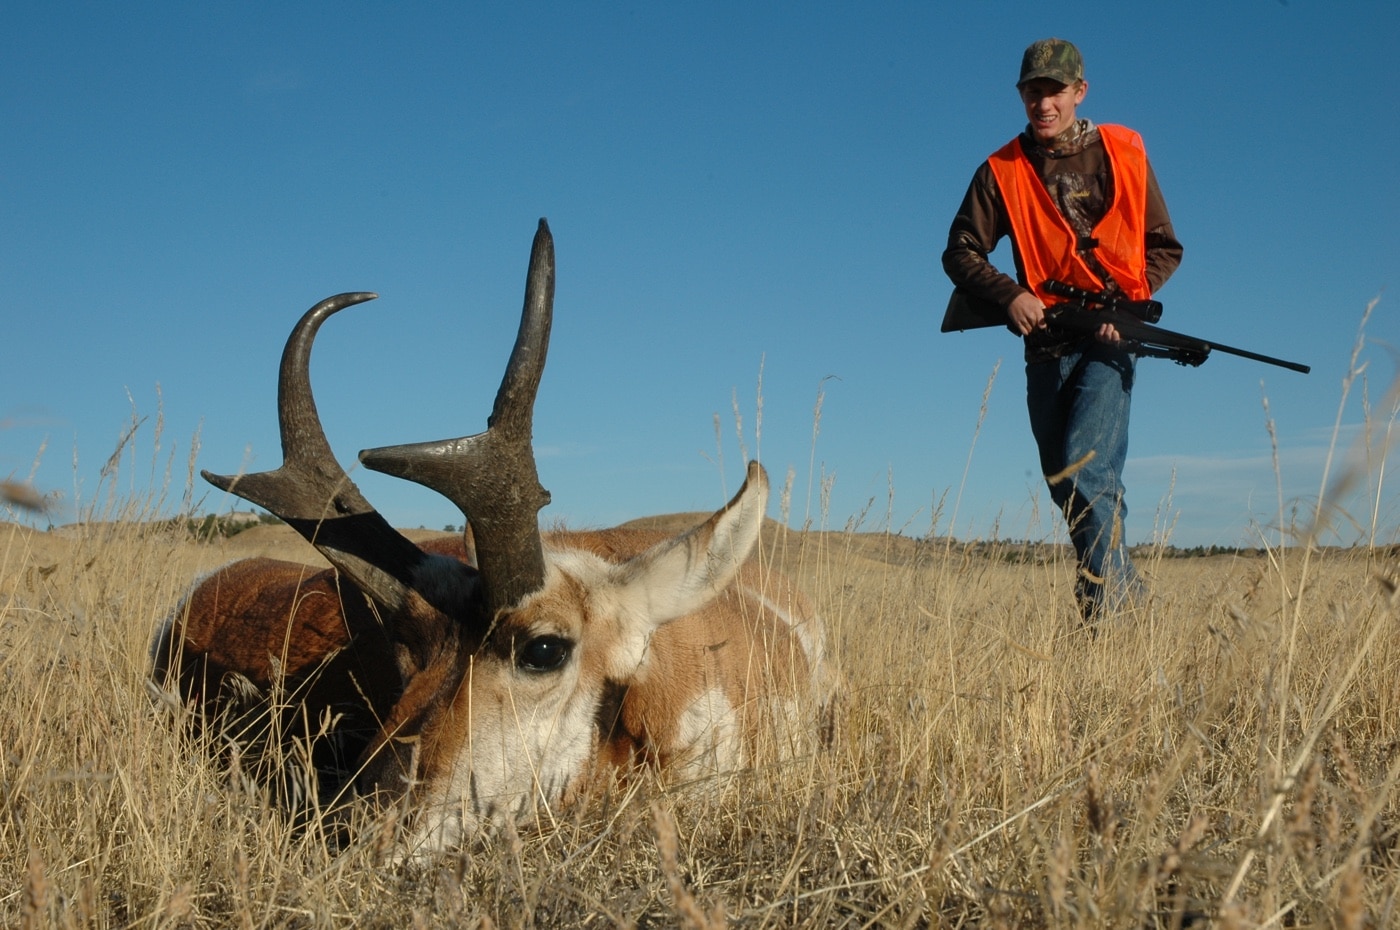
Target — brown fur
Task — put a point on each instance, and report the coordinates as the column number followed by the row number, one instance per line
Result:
column 315, row 649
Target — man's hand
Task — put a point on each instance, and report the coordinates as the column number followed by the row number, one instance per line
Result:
column 1027, row 313
column 1108, row 334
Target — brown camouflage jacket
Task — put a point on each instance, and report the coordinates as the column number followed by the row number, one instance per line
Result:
column 1076, row 174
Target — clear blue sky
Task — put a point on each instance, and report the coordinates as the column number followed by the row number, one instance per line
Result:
column 737, row 191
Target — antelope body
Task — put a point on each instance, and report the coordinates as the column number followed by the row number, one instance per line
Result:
column 479, row 679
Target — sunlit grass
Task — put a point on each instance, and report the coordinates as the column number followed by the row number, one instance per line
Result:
column 1225, row 755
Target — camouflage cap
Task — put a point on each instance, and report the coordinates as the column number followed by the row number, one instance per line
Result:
column 1055, row 59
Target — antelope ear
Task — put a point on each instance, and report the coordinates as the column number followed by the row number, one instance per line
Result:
column 683, row 574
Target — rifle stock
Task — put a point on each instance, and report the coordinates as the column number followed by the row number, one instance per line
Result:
column 966, row 311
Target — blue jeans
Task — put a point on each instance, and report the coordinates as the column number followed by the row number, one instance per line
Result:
column 1079, row 406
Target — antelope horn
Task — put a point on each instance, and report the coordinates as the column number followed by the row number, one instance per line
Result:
column 312, row 493
column 491, row 476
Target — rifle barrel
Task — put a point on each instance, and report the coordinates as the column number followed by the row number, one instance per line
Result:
column 1266, row 359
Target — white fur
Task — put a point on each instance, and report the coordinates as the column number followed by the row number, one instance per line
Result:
column 708, row 740
column 519, row 759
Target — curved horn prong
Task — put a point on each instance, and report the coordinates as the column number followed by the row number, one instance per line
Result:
column 491, row 476
column 311, row 492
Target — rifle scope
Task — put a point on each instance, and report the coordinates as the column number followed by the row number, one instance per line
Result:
column 1149, row 311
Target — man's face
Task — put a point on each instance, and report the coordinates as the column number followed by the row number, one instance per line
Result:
column 1050, row 106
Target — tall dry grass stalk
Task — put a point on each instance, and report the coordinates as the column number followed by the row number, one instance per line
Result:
column 1227, row 755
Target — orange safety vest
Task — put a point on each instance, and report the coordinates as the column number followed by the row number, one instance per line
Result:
column 1049, row 246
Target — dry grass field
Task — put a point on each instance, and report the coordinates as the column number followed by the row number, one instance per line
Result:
column 1226, row 756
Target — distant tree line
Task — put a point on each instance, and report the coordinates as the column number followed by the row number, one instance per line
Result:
column 223, row 525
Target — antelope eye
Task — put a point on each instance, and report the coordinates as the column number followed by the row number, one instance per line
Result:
column 543, row 653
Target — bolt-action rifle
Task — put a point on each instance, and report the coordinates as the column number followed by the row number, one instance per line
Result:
column 1085, row 311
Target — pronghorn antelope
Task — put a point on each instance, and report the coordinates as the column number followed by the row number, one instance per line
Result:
column 478, row 680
